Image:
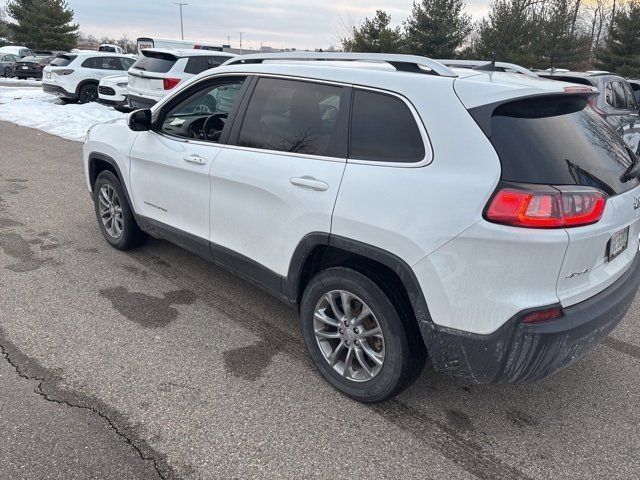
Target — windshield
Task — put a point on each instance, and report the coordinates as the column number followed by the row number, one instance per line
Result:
column 560, row 141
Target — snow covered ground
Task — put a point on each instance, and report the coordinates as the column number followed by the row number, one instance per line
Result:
column 31, row 107
column 23, row 83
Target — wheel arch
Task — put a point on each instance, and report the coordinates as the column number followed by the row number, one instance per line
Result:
column 98, row 163
column 88, row 81
column 318, row 251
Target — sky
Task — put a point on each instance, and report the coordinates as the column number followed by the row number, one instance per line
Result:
column 302, row 24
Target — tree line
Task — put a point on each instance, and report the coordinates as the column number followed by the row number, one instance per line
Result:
column 39, row 24
column 573, row 34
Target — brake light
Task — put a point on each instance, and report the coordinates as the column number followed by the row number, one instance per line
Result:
column 170, row 83
column 592, row 104
column 67, row 71
column 546, row 207
column 543, row 315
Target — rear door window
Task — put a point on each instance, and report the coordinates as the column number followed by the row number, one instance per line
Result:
column 295, row 116
column 631, row 99
column 619, row 98
column 559, row 141
column 157, row 62
column 383, row 129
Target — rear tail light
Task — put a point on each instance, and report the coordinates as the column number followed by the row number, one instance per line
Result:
column 543, row 315
column 546, row 207
column 67, row 71
column 170, row 83
column 592, row 104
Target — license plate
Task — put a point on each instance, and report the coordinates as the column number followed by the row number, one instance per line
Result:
column 24, row 68
column 618, row 243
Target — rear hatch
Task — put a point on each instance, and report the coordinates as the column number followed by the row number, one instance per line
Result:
column 556, row 141
column 28, row 67
column 147, row 76
column 57, row 68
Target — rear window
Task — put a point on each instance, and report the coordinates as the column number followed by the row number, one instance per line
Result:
column 156, row 62
column 63, row 60
column 559, row 141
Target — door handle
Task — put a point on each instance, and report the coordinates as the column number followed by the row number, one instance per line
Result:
column 309, row 182
column 196, row 159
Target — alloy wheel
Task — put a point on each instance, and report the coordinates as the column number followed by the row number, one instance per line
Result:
column 111, row 211
column 349, row 336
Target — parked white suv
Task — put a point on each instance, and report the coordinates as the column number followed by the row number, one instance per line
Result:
column 158, row 71
column 75, row 76
column 489, row 219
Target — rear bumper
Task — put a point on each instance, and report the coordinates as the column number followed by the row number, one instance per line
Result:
column 140, row 102
column 521, row 353
column 57, row 90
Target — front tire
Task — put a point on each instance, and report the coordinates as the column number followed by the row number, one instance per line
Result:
column 356, row 338
column 114, row 213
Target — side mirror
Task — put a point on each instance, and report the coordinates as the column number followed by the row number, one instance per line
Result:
column 140, row 120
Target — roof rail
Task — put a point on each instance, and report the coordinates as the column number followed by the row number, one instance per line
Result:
column 500, row 66
column 403, row 63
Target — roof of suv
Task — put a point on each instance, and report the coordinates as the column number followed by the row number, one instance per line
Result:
column 478, row 87
column 191, row 52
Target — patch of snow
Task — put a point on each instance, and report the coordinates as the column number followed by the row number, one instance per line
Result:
column 23, row 83
column 30, row 107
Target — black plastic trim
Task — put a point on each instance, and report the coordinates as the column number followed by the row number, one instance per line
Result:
column 160, row 230
column 58, row 90
column 523, row 353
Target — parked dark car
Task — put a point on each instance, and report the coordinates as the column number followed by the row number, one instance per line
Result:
column 31, row 67
column 616, row 102
column 8, row 64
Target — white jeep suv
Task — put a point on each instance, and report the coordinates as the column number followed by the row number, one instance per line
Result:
column 75, row 76
column 159, row 71
column 487, row 219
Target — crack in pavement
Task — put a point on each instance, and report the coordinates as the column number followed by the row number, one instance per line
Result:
column 49, row 388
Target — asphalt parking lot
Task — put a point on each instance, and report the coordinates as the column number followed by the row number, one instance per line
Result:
column 154, row 363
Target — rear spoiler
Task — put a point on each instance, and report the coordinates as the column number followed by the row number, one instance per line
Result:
column 483, row 114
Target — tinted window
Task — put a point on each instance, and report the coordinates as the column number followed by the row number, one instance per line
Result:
column 107, row 48
column 196, row 65
column 127, row 62
column 631, row 99
column 213, row 62
column 292, row 116
column 63, row 60
column 619, row 100
column 155, row 62
column 559, row 141
column 383, row 129
column 203, row 114
column 104, row 63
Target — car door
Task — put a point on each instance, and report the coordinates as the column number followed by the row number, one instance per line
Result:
column 170, row 164
column 278, row 179
column 629, row 124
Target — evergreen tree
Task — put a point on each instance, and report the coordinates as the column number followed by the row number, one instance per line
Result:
column 42, row 24
column 437, row 28
column 621, row 52
column 4, row 30
column 374, row 36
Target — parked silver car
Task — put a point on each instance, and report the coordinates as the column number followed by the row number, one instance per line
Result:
column 616, row 103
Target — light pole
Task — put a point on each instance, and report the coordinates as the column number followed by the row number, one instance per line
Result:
column 240, row 41
column 181, row 24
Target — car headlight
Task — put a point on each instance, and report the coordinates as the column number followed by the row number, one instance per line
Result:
column 122, row 85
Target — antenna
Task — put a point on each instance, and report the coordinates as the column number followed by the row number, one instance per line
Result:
column 491, row 67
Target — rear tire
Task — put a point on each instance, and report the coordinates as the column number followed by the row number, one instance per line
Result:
column 402, row 357
column 88, row 93
column 114, row 214
column 8, row 73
